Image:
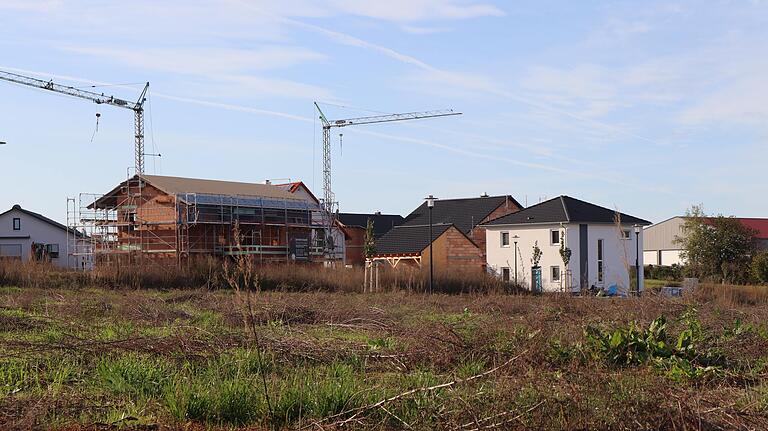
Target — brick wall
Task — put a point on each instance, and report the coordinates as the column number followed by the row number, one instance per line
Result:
column 454, row 252
column 355, row 245
column 478, row 233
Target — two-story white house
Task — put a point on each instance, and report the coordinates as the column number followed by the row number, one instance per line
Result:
column 27, row 235
column 604, row 245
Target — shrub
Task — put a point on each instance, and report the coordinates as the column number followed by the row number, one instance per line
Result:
column 666, row 273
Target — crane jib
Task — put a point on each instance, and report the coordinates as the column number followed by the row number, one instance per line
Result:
column 96, row 98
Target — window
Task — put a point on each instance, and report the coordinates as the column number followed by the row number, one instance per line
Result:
column 16, row 224
column 626, row 234
column 555, row 272
column 505, row 274
column 599, row 260
column 554, row 237
column 505, row 239
column 53, row 250
column 10, row 251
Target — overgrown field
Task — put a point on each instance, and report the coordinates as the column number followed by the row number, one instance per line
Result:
column 184, row 359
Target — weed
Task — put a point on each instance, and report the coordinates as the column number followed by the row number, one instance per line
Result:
column 133, row 374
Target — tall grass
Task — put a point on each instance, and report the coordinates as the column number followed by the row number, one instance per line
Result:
column 209, row 273
column 732, row 295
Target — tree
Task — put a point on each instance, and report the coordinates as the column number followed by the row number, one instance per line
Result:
column 716, row 247
column 369, row 244
column 760, row 267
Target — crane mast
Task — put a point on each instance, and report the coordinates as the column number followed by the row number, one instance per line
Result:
column 100, row 99
column 329, row 204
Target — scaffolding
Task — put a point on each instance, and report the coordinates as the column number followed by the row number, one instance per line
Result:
column 138, row 223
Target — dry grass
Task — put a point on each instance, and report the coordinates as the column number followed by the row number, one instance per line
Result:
column 208, row 273
column 94, row 358
column 733, row 295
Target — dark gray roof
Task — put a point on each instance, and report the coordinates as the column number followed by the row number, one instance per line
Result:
column 464, row 213
column 382, row 223
column 39, row 217
column 409, row 239
column 565, row 209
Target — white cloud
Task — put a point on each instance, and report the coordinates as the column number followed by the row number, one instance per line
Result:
column 624, row 29
column 225, row 71
column 412, row 29
column 741, row 102
column 416, row 10
column 38, row 6
column 205, row 61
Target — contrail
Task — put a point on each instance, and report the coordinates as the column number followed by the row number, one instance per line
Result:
column 350, row 40
column 293, row 117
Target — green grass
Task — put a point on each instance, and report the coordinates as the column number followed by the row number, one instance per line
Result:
column 181, row 358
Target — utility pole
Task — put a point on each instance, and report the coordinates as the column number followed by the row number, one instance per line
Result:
column 516, row 237
column 637, row 258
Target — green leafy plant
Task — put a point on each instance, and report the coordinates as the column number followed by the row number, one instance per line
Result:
column 633, row 345
column 536, row 257
column 565, row 254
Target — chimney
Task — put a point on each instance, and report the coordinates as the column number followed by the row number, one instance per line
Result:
column 484, row 195
column 267, row 182
column 378, row 213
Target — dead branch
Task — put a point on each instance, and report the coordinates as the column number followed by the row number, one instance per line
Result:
column 358, row 410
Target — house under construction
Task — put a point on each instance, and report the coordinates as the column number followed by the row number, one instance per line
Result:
column 172, row 218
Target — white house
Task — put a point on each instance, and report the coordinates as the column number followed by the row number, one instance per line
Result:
column 603, row 244
column 26, row 235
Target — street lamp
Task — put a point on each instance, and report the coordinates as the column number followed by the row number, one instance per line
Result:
column 430, row 204
column 637, row 257
column 515, row 238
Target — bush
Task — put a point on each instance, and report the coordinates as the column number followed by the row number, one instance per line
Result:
column 666, row 273
column 759, row 267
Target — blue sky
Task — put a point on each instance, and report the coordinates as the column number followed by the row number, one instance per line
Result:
column 647, row 107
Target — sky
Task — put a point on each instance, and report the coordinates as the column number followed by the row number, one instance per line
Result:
column 646, row 107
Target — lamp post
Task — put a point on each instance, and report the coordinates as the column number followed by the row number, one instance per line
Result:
column 430, row 204
column 637, row 258
column 515, row 238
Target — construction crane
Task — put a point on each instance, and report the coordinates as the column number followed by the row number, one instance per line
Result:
column 329, row 203
column 100, row 99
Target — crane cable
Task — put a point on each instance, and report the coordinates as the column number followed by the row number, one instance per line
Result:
column 98, row 115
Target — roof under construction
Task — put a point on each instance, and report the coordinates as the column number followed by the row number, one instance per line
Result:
column 178, row 185
column 183, row 187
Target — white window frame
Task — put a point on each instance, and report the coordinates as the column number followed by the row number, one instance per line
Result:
column 501, row 239
column 509, row 274
column 559, row 237
column 559, row 273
